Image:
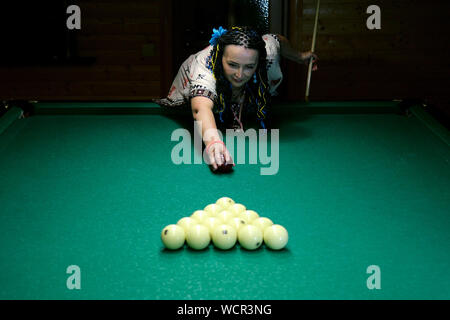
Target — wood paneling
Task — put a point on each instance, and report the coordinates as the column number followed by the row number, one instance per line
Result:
column 128, row 40
column 406, row 58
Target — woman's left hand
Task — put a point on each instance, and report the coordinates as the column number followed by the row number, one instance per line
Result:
column 306, row 56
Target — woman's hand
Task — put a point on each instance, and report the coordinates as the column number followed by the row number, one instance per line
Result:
column 219, row 159
column 292, row 54
column 306, row 56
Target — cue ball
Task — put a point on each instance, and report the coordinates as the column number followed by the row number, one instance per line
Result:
column 262, row 223
column 248, row 215
column 212, row 209
column 224, row 237
column 236, row 223
column 237, row 208
column 186, row 222
column 276, row 237
column 198, row 237
column 225, row 202
column 173, row 236
column 225, row 215
column 199, row 215
column 250, row 237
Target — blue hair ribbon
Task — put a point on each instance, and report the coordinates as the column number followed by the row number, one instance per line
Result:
column 217, row 33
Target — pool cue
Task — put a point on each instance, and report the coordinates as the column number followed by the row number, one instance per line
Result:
column 308, row 81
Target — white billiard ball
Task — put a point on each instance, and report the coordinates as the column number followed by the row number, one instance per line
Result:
column 212, row 209
column 262, row 223
column 211, row 223
column 186, row 222
column 199, row 215
column 250, row 237
column 237, row 208
column 173, row 237
column 248, row 215
column 224, row 237
column 225, row 202
column 198, row 237
column 225, row 215
column 236, row 223
column 276, row 237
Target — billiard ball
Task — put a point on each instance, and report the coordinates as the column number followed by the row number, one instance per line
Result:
column 199, row 215
column 198, row 237
column 237, row 208
column 250, row 237
column 225, row 215
column 262, row 223
column 236, row 223
column 248, row 215
column 212, row 209
column 186, row 222
column 276, row 237
column 173, row 237
column 224, row 237
column 225, row 202
column 211, row 223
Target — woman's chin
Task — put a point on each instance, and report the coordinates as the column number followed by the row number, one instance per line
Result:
column 238, row 84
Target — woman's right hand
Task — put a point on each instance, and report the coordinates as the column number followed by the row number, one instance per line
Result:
column 219, row 157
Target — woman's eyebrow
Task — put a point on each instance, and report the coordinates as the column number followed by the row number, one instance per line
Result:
column 248, row 64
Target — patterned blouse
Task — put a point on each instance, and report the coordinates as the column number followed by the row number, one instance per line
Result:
column 194, row 78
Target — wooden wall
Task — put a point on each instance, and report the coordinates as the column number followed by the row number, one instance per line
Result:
column 132, row 42
column 126, row 38
column 407, row 58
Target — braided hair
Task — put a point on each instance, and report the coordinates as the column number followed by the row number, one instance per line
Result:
column 256, row 91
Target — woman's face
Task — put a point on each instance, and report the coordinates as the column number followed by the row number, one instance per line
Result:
column 239, row 64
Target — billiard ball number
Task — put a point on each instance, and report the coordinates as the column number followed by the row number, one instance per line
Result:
column 224, row 236
column 173, row 237
column 224, row 223
column 250, row 237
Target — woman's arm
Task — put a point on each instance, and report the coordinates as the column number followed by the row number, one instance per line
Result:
column 290, row 53
column 202, row 111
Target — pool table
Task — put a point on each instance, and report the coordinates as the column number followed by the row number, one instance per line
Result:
column 362, row 187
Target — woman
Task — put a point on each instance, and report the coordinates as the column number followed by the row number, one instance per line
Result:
column 234, row 77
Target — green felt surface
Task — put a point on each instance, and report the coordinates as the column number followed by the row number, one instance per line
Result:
column 96, row 191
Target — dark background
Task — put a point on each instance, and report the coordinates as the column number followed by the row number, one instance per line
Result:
column 132, row 50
